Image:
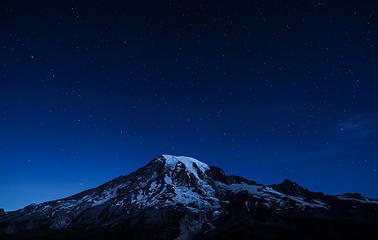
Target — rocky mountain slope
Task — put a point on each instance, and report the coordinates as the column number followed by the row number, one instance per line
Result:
column 183, row 198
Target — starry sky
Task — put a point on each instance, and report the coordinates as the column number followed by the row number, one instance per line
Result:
column 268, row 90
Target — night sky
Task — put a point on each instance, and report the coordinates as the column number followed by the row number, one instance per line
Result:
column 267, row 90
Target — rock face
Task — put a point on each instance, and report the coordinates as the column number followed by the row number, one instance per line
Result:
column 183, row 198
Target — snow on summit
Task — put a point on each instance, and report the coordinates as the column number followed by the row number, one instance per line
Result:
column 171, row 162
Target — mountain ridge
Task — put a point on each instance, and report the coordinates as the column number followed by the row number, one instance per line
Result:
column 177, row 197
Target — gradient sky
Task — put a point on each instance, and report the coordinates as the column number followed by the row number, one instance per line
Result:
column 263, row 89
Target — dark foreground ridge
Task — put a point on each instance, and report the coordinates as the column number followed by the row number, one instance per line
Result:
column 183, row 198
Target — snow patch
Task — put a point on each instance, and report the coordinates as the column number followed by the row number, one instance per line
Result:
column 365, row 200
column 171, row 162
column 242, row 187
column 270, row 195
column 168, row 179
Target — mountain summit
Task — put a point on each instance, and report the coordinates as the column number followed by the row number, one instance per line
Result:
column 176, row 197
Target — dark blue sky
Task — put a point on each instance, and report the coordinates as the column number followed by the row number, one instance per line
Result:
column 264, row 89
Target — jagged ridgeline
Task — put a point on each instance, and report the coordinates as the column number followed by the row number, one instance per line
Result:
column 183, row 198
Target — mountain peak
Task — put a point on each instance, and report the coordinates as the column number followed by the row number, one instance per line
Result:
column 191, row 164
column 290, row 187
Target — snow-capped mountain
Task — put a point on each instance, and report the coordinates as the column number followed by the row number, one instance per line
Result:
column 183, row 198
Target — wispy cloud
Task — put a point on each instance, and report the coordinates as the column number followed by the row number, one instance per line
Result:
column 358, row 126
